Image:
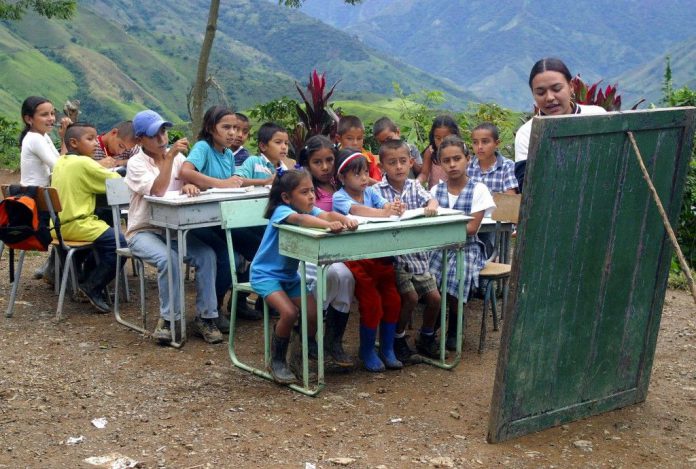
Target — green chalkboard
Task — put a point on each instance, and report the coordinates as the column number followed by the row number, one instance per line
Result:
column 590, row 269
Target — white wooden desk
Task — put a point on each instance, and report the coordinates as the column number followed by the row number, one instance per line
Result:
column 180, row 215
column 373, row 240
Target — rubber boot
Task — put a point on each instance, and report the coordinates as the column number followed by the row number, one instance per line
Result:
column 279, row 366
column 295, row 351
column 386, row 346
column 336, row 322
column 367, row 353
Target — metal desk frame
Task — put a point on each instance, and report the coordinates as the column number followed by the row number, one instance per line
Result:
column 181, row 215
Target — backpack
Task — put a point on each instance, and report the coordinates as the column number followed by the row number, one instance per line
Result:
column 22, row 226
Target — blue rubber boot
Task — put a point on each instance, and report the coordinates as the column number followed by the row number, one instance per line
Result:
column 367, row 350
column 386, row 346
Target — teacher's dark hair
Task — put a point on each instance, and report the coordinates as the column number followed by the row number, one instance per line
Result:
column 549, row 64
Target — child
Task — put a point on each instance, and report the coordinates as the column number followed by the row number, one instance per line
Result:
column 273, row 145
column 78, row 179
column 351, row 134
column 275, row 277
column 491, row 168
column 413, row 277
column 473, row 198
column 375, row 279
column 116, row 146
column 317, row 158
column 385, row 129
column 243, row 127
column 153, row 171
column 488, row 165
column 432, row 173
column 38, row 154
column 210, row 164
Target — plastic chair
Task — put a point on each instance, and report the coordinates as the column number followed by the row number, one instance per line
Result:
column 507, row 210
column 118, row 197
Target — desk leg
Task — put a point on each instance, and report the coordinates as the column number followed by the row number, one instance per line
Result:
column 305, row 389
column 170, row 281
column 442, row 363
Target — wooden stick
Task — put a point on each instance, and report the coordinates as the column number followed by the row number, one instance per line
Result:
column 665, row 219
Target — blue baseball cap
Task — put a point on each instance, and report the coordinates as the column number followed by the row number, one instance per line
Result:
column 148, row 123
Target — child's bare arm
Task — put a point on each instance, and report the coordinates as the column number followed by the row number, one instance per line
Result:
column 310, row 221
column 349, row 223
column 473, row 226
column 189, row 174
column 363, row 211
column 257, row 182
column 430, row 208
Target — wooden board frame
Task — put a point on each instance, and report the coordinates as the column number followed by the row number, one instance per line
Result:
column 590, row 272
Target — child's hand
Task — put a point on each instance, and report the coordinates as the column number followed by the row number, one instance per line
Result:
column 64, row 123
column 179, row 146
column 233, row 181
column 430, row 211
column 350, row 224
column 390, row 209
column 190, row 190
column 335, row 226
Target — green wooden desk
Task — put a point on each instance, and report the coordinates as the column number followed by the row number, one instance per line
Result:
column 373, row 240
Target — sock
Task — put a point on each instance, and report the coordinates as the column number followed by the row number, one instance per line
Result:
column 427, row 331
column 400, row 335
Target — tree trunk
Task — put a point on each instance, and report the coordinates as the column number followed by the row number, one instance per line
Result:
column 199, row 91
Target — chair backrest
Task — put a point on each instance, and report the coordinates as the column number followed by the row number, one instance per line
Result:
column 243, row 213
column 240, row 214
column 507, row 207
column 41, row 197
column 117, row 196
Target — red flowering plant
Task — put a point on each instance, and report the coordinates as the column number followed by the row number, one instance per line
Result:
column 316, row 116
column 595, row 95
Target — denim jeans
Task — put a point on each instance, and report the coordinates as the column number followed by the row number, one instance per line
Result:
column 152, row 248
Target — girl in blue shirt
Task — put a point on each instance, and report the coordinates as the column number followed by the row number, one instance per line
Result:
column 274, row 276
column 210, row 163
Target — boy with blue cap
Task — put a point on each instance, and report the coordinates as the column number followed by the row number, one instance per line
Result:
column 154, row 170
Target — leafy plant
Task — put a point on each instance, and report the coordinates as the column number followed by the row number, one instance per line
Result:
column 9, row 145
column 595, row 95
column 686, row 230
column 317, row 117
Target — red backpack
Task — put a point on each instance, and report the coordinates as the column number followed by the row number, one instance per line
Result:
column 22, row 225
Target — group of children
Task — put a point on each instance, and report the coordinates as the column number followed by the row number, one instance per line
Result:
column 333, row 181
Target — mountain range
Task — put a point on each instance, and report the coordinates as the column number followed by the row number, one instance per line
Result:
column 489, row 46
column 120, row 56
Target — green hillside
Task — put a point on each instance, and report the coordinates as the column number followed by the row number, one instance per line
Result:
column 121, row 56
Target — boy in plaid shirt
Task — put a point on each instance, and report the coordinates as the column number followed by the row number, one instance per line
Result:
column 413, row 277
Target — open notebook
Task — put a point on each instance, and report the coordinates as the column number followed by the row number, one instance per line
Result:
column 407, row 215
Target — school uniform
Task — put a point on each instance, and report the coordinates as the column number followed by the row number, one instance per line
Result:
column 412, row 270
column 498, row 178
column 240, row 155
column 258, row 167
column 271, row 271
column 473, row 198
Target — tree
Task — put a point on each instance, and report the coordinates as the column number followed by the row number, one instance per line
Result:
column 61, row 9
column 199, row 90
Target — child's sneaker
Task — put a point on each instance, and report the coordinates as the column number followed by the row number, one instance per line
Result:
column 163, row 331
column 428, row 346
column 403, row 351
column 206, row 328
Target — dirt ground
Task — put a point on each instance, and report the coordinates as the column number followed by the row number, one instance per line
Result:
column 190, row 408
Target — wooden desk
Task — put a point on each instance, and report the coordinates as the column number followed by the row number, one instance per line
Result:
column 372, row 240
column 180, row 215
